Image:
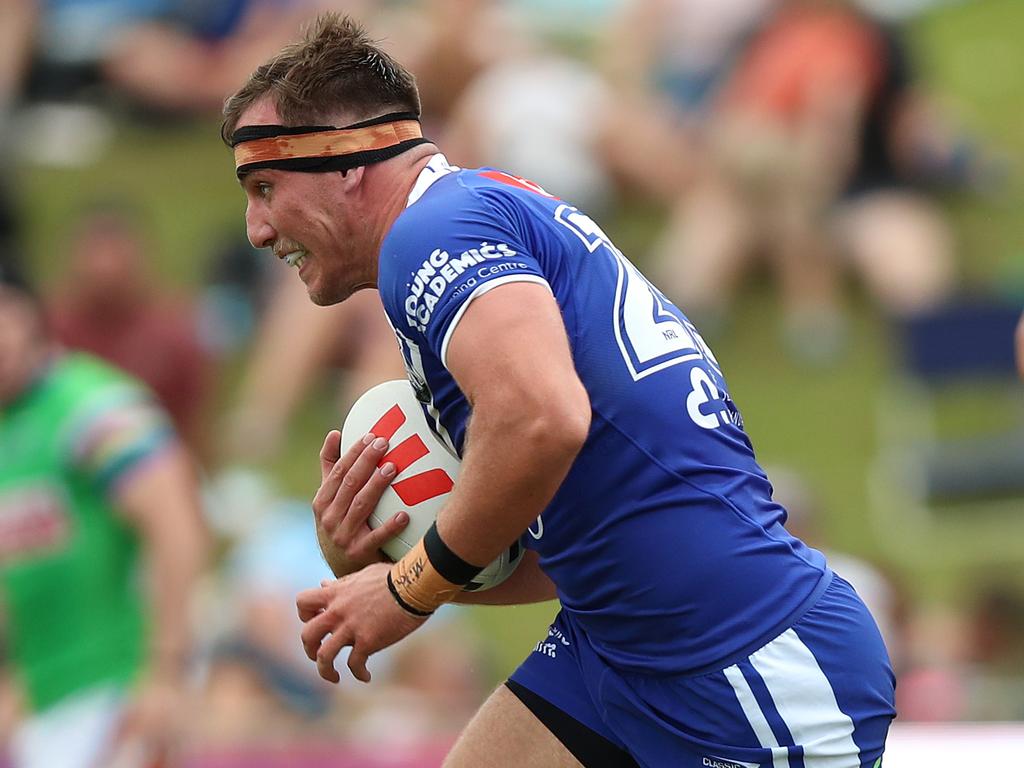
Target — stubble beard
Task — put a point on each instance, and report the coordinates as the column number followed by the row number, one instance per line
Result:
column 325, row 296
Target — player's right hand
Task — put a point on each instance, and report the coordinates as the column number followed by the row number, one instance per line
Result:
column 350, row 487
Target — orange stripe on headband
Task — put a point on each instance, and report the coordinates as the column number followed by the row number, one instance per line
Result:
column 330, row 143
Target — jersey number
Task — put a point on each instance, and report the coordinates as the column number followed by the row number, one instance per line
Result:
column 650, row 336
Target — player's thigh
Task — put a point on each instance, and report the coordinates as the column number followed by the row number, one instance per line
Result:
column 505, row 733
column 819, row 695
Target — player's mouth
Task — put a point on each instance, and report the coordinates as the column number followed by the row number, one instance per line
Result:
column 291, row 253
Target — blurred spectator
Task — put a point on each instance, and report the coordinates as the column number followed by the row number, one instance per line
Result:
column 933, row 685
column 262, row 689
column 561, row 123
column 572, row 23
column 816, row 140
column 109, row 304
column 543, row 114
column 1020, row 347
column 16, row 19
column 71, row 38
column 233, row 296
column 175, row 54
column 966, row 664
column 91, row 477
column 71, row 60
column 295, row 344
column 875, row 588
column 449, row 43
column 259, row 687
column 666, row 61
column 681, row 50
column 997, row 637
column 190, row 57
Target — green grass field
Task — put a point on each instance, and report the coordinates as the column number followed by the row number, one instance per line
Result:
column 818, row 422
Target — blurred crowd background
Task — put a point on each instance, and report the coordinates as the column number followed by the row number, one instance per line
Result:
column 830, row 190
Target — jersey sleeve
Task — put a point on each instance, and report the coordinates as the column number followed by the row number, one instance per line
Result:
column 114, row 432
column 441, row 255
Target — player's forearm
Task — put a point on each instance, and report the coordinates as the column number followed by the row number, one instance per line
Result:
column 527, row 584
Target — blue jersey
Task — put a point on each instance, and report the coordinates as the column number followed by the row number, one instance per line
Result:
column 663, row 541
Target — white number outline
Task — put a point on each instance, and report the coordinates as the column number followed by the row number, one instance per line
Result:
column 690, row 345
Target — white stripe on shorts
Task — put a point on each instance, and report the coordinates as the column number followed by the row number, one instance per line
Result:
column 806, row 702
column 756, row 718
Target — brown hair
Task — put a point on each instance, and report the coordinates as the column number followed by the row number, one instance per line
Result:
column 336, row 68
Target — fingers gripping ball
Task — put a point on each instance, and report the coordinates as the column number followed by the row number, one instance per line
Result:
column 426, row 471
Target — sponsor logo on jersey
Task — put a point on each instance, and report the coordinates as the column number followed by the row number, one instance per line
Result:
column 546, row 649
column 558, row 635
column 440, row 271
column 417, row 376
column 720, row 762
column 33, row 521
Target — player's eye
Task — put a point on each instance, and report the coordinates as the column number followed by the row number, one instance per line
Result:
column 263, row 189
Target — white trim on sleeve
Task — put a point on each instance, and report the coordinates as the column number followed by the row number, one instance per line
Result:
column 479, row 291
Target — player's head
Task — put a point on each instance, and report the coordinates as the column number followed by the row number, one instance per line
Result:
column 335, row 75
column 23, row 336
column 317, row 132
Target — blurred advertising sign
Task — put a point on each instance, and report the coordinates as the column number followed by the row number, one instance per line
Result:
column 916, row 745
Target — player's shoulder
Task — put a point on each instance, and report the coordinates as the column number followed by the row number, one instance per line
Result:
column 443, row 196
column 452, row 209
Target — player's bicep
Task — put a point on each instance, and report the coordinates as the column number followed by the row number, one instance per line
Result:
column 510, row 346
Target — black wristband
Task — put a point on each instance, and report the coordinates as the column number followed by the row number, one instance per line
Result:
column 402, row 604
column 449, row 565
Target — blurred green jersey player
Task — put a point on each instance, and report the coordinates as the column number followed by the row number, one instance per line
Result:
column 93, row 484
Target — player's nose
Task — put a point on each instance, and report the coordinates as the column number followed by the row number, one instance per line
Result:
column 258, row 229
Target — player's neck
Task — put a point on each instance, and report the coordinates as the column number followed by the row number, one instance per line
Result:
column 408, row 168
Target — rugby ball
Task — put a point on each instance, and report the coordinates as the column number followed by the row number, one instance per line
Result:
column 427, row 471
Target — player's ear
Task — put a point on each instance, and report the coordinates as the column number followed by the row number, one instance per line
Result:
column 352, row 178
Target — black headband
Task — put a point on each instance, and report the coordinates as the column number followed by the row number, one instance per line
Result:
column 318, row 148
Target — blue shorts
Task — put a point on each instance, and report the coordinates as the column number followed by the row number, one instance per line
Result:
column 820, row 695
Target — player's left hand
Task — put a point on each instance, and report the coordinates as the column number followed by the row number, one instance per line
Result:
column 357, row 611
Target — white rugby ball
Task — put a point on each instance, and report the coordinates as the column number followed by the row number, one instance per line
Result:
column 427, row 471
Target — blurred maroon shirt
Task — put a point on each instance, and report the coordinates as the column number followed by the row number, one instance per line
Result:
column 156, row 341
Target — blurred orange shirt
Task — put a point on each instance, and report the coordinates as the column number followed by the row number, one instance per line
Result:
column 804, row 50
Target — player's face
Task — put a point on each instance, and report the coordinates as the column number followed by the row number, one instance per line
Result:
column 311, row 220
column 20, row 329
